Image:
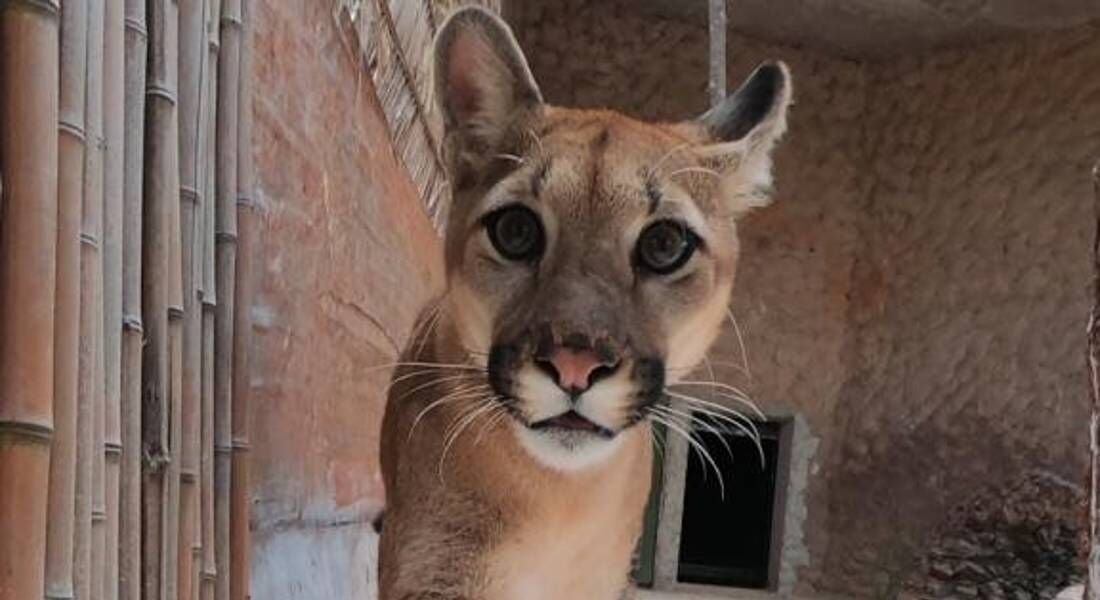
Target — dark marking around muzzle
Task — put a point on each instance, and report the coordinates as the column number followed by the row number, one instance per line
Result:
column 504, row 359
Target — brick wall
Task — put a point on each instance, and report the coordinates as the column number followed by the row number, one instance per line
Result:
column 348, row 255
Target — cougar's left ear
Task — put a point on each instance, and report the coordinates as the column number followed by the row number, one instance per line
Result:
column 741, row 132
column 482, row 82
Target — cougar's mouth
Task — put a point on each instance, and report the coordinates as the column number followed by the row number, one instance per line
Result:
column 572, row 421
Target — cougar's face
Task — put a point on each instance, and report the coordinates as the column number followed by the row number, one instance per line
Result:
column 597, row 274
column 590, row 256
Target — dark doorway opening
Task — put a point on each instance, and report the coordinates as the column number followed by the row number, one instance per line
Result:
column 727, row 541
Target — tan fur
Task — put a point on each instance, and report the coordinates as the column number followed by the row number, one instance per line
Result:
column 481, row 505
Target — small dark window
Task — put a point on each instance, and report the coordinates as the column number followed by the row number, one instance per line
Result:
column 727, row 541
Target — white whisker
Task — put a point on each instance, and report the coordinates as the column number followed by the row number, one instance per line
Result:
column 740, row 342
column 429, row 329
column 656, row 168
column 690, row 416
column 702, row 170
column 538, row 142
column 667, row 421
column 723, row 413
column 496, row 416
column 404, row 376
column 421, row 372
column 511, row 157
column 731, row 392
column 658, row 441
column 437, row 381
column 468, row 419
column 455, row 396
column 717, row 409
column 725, row 363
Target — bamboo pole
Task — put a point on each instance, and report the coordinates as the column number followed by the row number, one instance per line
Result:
column 203, row 162
column 59, row 535
column 130, row 498
column 209, row 302
column 175, row 321
column 28, row 242
column 242, row 326
column 91, row 318
column 209, row 560
column 161, row 305
column 226, row 255
column 170, row 568
column 89, row 388
column 164, row 280
column 114, row 132
column 192, row 51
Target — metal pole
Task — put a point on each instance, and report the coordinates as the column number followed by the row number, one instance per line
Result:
column 1092, row 587
column 716, row 24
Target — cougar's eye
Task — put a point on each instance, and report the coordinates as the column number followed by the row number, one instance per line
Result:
column 515, row 232
column 665, row 246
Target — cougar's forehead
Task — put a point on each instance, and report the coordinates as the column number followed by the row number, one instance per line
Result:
column 602, row 173
column 600, row 160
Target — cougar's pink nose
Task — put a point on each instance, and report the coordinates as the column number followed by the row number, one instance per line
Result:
column 574, row 369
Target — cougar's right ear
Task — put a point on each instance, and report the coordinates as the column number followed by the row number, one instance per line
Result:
column 742, row 130
column 482, row 82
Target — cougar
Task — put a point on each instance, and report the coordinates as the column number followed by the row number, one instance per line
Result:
column 589, row 261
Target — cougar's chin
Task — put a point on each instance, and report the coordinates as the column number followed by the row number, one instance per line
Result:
column 571, row 447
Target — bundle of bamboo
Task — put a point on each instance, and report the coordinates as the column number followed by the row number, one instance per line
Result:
column 392, row 41
column 121, row 375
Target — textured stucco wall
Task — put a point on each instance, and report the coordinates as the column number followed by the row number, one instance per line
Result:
column 348, row 256
column 886, row 28
column 973, row 292
column 917, row 293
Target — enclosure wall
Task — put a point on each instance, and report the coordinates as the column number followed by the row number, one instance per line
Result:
column 346, row 257
column 916, row 295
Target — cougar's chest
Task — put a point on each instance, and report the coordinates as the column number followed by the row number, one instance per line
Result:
column 587, row 558
column 576, row 538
